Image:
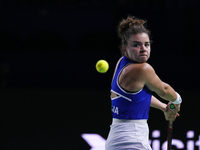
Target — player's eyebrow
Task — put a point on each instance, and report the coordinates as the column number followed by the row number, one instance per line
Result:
column 136, row 42
column 140, row 42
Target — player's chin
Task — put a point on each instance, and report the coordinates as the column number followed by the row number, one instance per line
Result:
column 143, row 59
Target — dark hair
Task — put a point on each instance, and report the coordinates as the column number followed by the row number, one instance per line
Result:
column 131, row 26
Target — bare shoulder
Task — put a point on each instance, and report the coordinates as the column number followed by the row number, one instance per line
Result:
column 134, row 76
column 146, row 68
column 137, row 72
column 142, row 68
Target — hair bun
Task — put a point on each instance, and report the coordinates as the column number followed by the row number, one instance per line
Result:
column 129, row 22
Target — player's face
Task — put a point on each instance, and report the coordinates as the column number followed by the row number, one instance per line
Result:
column 138, row 48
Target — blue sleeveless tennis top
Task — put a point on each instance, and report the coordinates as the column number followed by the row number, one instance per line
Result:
column 129, row 105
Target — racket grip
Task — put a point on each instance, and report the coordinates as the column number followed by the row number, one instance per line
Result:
column 172, row 106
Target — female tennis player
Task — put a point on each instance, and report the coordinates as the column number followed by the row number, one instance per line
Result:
column 133, row 82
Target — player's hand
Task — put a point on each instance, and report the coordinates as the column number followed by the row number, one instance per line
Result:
column 170, row 115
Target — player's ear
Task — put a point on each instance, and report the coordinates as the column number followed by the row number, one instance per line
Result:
column 124, row 49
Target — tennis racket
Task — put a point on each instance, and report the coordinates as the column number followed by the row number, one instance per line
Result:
column 170, row 129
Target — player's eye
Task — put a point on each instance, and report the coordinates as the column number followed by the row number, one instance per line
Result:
column 147, row 44
column 136, row 45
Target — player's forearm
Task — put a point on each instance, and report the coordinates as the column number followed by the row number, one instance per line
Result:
column 155, row 103
column 168, row 93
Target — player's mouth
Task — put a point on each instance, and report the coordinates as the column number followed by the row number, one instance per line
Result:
column 143, row 56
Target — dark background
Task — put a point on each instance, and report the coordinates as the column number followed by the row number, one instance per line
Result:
column 50, row 90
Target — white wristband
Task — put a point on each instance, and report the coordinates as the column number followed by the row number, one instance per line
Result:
column 178, row 100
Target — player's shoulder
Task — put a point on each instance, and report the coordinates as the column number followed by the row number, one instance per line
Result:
column 138, row 70
column 141, row 67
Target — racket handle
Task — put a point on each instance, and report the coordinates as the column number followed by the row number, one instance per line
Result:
column 169, row 136
column 170, row 129
column 172, row 106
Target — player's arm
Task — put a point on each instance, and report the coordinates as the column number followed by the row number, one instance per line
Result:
column 154, row 83
column 169, row 115
column 155, row 103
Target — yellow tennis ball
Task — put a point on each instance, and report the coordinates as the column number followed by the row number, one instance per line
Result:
column 102, row 66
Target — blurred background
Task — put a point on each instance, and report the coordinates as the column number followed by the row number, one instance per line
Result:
column 50, row 91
